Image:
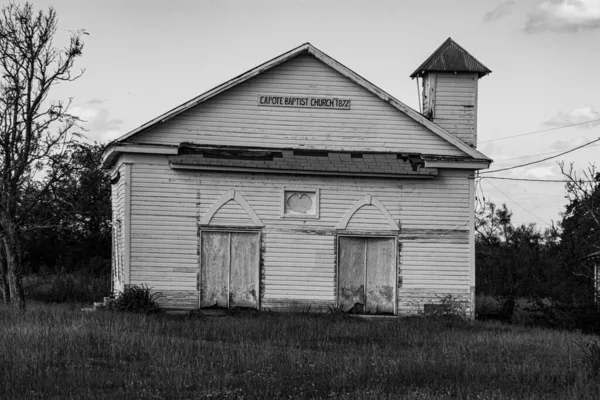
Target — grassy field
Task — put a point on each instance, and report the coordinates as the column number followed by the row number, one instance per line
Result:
column 59, row 352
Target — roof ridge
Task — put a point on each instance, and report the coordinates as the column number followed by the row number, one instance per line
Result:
column 447, row 58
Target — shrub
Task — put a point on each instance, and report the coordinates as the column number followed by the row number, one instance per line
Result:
column 138, row 299
column 449, row 306
column 487, row 305
column 565, row 316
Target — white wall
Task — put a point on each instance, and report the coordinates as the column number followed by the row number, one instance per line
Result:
column 298, row 256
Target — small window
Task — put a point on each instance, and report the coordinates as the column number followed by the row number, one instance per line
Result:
column 300, row 203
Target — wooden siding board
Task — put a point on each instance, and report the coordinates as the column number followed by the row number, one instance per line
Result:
column 456, row 105
column 234, row 116
column 434, row 259
column 412, row 195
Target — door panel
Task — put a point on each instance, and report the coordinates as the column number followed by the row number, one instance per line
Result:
column 243, row 290
column 366, row 274
column 380, row 275
column 351, row 287
column 215, row 269
column 229, row 265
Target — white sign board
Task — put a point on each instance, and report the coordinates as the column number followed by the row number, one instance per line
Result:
column 335, row 103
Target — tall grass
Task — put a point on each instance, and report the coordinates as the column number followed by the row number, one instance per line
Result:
column 66, row 287
column 54, row 352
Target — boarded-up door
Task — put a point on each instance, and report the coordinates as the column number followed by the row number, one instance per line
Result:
column 366, row 277
column 229, row 269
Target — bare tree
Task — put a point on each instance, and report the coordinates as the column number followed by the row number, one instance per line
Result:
column 582, row 192
column 581, row 220
column 34, row 132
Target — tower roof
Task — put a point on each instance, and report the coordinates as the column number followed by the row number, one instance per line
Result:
column 451, row 57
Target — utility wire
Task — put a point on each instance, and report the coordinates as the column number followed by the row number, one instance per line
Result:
column 543, row 130
column 532, row 155
column 534, row 180
column 542, row 160
column 523, row 208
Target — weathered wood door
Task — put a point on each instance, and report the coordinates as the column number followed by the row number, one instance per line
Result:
column 229, row 263
column 366, row 274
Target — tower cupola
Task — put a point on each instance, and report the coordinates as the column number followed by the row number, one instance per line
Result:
column 450, row 76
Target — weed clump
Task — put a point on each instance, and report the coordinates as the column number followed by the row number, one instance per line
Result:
column 449, row 307
column 137, row 299
column 591, row 356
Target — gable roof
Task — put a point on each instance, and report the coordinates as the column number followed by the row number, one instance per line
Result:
column 307, row 48
column 451, row 57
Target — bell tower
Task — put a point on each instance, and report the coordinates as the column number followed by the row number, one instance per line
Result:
column 450, row 76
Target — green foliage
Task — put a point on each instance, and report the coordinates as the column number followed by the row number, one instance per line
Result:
column 69, row 227
column 545, row 270
column 580, row 230
column 66, row 287
column 137, row 299
column 585, row 319
column 280, row 356
column 335, row 308
column 514, row 262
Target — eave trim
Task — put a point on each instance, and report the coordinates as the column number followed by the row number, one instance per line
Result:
column 469, row 164
column 113, row 151
column 219, row 168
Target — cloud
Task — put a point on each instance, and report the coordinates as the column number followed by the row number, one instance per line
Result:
column 96, row 120
column 540, row 172
column 564, row 16
column 561, row 145
column 502, row 10
column 575, row 116
column 488, row 148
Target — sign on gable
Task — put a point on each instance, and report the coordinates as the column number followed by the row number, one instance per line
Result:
column 304, row 102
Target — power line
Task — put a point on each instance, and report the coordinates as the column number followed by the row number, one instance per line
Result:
column 532, row 155
column 523, row 208
column 542, row 160
column 534, row 180
column 543, row 130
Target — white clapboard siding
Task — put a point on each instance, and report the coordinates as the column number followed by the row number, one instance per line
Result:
column 440, row 203
column 456, row 104
column 433, row 267
column 298, row 266
column 234, row 117
column 178, row 299
column 164, row 241
column 299, row 255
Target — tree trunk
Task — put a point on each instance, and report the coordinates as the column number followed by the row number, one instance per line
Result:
column 13, row 262
column 17, row 295
column 4, row 287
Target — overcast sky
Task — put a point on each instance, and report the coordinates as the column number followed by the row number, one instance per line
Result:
column 143, row 58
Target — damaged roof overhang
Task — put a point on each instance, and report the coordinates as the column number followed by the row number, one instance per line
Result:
column 415, row 159
column 455, row 162
column 246, row 152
